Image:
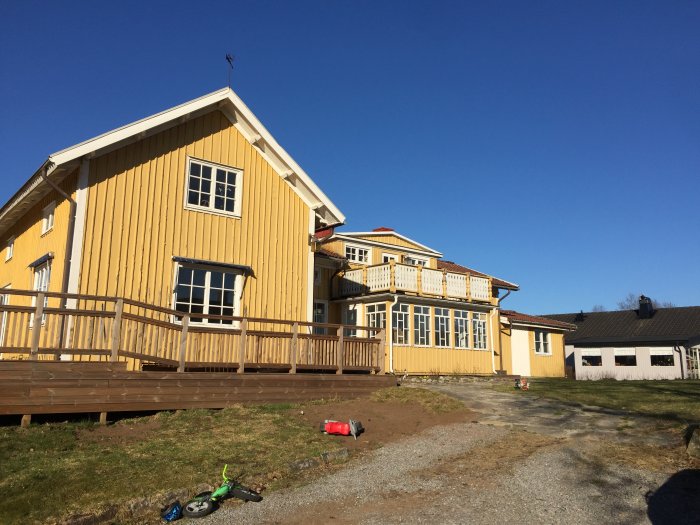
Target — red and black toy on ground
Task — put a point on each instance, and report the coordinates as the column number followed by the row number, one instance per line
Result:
column 351, row 428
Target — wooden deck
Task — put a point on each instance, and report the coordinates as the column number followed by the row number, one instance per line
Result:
column 47, row 387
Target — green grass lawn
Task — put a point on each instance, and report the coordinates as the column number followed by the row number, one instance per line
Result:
column 52, row 470
column 678, row 400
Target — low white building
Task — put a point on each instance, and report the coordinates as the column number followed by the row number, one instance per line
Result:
column 646, row 343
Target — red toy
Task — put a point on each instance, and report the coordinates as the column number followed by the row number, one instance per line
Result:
column 352, row 428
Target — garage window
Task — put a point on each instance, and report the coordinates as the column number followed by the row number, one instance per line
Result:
column 625, row 357
column 591, row 358
column 661, row 357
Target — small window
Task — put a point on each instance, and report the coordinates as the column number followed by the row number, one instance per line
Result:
column 10, row 250
column 661, row 357
column 205, row 290
column 591, row 357
column 42, row 276
column 317, row 277
column 400, row 324
column 357, row 254
column 625, row 357
column 415, row 261
column 388, row 257
column 542, row 343
column 47, row 218
column 213, row 187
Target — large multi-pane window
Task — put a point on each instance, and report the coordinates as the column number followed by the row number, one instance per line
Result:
column 421, row 325
column 376, row 315
column 400, row 323
column 357, row 254
column 203, row 290
column 479, row 330
column 461, row 329
column 542, row 342
column 442, row 327
column 213, row 187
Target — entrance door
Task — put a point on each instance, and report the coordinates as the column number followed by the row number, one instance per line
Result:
column 520, row 350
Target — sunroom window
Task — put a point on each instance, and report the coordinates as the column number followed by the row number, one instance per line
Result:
column 479, row 330
column 205, row 290
column 213, row 187
column 461, row 328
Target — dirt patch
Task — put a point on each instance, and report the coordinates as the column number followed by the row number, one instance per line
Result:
column 122, row 432
column 384, row 421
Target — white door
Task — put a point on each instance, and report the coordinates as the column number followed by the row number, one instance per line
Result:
column 520, row 351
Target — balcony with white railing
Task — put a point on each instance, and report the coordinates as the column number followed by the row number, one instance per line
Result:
column 395, row 277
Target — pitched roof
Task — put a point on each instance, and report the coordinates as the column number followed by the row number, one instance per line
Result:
column 359, row 237
column 458, row 268
column 667, row 325
column 58, row 164
column 518, row 317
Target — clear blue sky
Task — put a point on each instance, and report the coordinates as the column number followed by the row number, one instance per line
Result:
column 554, row 144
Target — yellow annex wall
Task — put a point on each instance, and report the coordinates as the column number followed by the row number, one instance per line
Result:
column 547, row 365
column 136, row 221
column 504, row 359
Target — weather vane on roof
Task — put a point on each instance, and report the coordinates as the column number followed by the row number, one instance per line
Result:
column 230, row 58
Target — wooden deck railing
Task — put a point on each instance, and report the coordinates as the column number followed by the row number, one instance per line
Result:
column 38, row 325
column 396, row 277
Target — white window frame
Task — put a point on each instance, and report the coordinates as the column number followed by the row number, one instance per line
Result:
column 542, row 343
column 237, row 286
column 401, row 324
column 10, row 248
column 352, row 254
column 414, row 260
column 4, row 300
column 375, row 315
column 351, row 313
column 443, row 337
column 479, row 332
column 421, row 325
column 461, row 326
column 41, row 278
column 320, row 330
column 388, row 257
column 48, row 218
column 237, row 196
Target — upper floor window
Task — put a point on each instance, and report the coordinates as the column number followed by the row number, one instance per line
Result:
column 213, row 187
column 386, row 257
column 415, row 261
column 47, row 218
column 357, row 254
column 542, row 342
column 479, row 330
column 206, row 290
column 10, row 249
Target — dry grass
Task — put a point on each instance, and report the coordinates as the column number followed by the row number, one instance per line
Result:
column 431, row 401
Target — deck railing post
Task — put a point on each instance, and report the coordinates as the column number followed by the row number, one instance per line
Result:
column 381, row 350
column 341, row 350
column 117, row 329
column 392, row 276
column 36, row 326
column 241, row 347
column 294, row 349
column 183, row 343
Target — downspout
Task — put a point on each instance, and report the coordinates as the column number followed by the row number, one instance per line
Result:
column 500, row 334
column 391, row 334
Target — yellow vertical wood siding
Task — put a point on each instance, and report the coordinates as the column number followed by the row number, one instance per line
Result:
column 136, row 221
column 547, row 365
column 506, row 358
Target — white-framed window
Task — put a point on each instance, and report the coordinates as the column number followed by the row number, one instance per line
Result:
column 542, row 343
column 42, row 277
column 661, row 357
column 208, row 290
column 479, row 330
column 591, row 357
column 461, row 329
column 320, row 316
column 415, row 261
column 357, row 254
column 4, row 300
column 442, row 327
column 400, row 323
column 387, row 257
column 214, row 188
column 350, row 316
column 376, row 315
column 47, row 218
column 625, row 356
column 10, row 248
column 421, row 325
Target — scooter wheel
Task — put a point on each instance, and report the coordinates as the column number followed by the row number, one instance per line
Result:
column 198, row 507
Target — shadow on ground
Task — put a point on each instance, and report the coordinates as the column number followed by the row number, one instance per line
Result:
column 677, row 501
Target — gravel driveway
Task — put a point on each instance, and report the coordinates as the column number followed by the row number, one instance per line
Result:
column 523, row 460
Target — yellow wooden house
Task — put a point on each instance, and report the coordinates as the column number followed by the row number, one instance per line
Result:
column 196, row 208
column 440, row 317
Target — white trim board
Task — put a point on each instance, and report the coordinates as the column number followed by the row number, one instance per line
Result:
column 359, row 240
